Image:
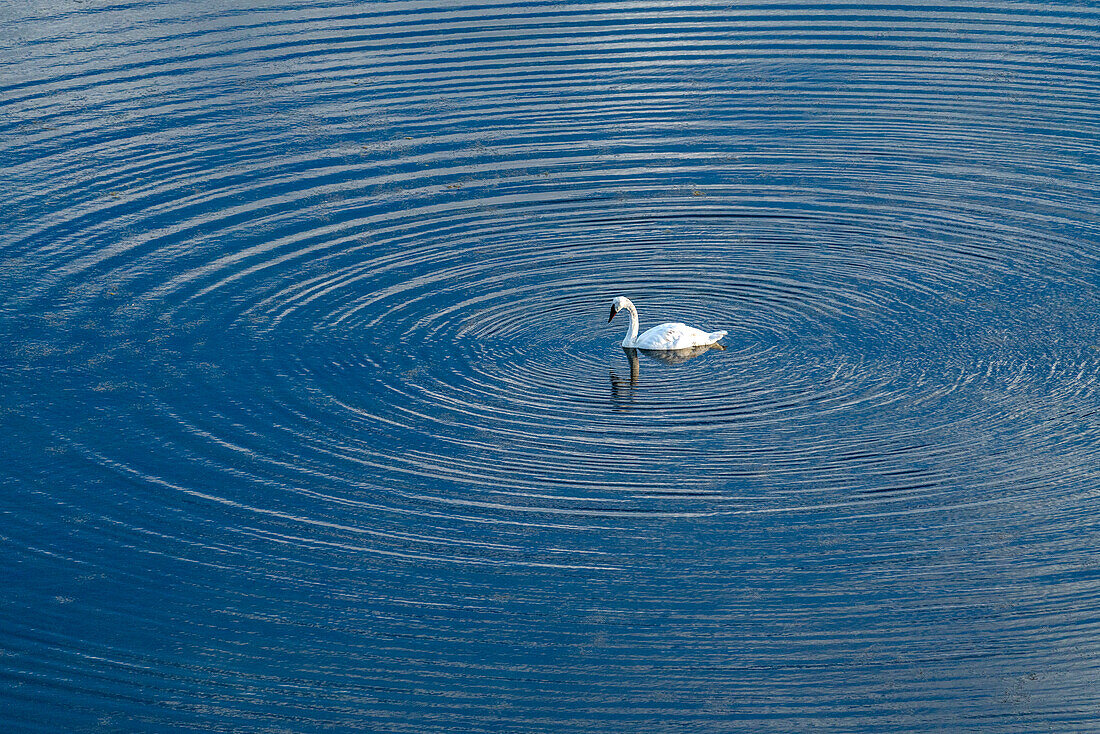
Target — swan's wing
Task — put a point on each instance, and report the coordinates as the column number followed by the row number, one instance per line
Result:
column 676, row 336
column 665, row 336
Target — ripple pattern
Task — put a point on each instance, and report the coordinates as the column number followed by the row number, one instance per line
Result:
column 314, row 422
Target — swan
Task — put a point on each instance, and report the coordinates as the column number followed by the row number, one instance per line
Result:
column 663, row 337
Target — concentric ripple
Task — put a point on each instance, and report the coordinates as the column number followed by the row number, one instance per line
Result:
column 314, row 420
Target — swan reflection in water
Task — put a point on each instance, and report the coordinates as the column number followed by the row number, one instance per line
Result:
column 622, row 390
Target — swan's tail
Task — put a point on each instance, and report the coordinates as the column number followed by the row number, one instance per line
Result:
column 714, row 336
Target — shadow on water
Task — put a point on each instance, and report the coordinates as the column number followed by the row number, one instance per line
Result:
column 623, row 391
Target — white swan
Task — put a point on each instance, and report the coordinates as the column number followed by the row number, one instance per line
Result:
column 663, row 337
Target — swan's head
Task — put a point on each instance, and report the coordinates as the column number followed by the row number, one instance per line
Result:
column 617, row 305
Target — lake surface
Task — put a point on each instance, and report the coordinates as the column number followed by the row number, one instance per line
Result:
column 313, row 421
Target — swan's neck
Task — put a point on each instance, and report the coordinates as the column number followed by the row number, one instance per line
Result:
column 632, row 330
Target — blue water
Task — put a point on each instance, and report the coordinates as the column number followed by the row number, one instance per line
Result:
column 312, row 419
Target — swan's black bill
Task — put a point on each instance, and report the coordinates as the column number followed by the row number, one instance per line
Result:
column 613, row 312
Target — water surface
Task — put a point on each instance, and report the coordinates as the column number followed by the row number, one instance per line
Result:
column 313, row 420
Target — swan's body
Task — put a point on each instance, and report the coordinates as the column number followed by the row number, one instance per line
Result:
column 663, row 337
